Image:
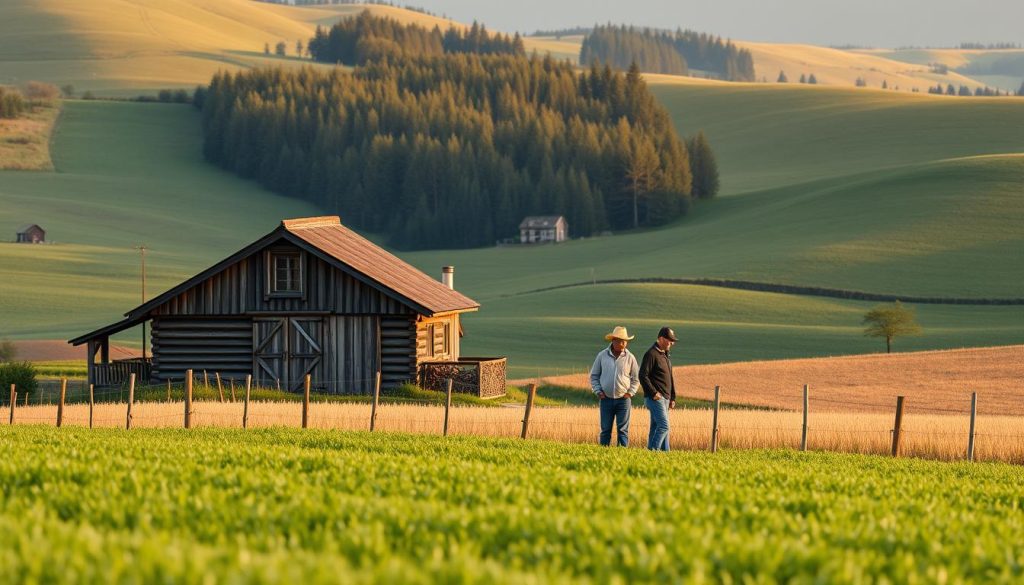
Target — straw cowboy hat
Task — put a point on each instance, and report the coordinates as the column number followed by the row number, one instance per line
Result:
column 618, row 333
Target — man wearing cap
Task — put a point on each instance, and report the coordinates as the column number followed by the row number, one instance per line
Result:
column 659, row 387
column 614, row 378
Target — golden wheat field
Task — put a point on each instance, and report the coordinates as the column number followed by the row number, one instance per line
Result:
column 935, row 382
column 999, row 438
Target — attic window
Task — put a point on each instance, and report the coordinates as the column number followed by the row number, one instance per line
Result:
column 286, row 277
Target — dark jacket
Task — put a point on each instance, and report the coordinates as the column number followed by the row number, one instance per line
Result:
column 656, row 374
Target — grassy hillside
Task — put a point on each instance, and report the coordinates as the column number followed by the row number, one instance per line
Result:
column 1002, row 68
column 714, row 325
column 126, row 174
column 838, row 67
column 128, row 47
column 130, row 173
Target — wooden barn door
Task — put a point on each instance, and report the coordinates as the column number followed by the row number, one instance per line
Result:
column 305, row 350
column 286, row 349
column 270, row 351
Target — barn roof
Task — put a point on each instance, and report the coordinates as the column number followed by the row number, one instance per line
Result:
column 364, row 257
column 540, row 221
column 339, row 246
column 28, row 226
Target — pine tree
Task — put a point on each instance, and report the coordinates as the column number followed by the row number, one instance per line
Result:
column 803, row 78
column 1020, row 91
column 782, row 77
column 812, row 80
column 885, row 84
column 703, row 166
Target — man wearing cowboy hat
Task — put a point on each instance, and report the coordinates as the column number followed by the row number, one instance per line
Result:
column 659, row 387
column 615, row 378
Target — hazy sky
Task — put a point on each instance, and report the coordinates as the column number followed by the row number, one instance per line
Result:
column 883, row 23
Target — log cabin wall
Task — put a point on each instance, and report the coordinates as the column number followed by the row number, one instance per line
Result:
column 222, row 345
column 397, row 350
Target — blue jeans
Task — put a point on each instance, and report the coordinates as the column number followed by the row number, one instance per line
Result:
column 617, row 409
column 657, row 440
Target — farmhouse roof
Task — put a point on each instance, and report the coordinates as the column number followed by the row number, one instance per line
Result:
column 339, row 246
column 540, row 221
column 27, row 227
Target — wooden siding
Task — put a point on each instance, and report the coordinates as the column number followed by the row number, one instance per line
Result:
column 397, row 350
column 214, row 345
column 240, row 289
column 437, row 339
column 351, row 354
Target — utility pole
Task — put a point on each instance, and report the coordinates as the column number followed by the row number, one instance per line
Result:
column 142, row 251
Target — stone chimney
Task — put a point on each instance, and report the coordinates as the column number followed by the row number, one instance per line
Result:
column 448, row 276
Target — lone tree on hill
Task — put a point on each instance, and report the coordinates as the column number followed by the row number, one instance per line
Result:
column 890, row 321
column 782, row 77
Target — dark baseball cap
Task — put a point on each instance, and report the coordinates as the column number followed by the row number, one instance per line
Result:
column 667, row 333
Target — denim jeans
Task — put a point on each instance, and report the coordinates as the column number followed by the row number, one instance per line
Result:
column 618, row 409
column 657, row 440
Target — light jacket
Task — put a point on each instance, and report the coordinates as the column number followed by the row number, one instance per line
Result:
column 616, row 377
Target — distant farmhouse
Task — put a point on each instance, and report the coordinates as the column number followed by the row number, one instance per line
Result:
column 310, row 298
column 30, row 234
column 537, row 229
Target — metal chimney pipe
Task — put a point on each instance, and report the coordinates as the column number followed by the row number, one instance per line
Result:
column 448, row 276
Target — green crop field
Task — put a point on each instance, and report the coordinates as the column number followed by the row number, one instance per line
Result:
column 292, row 506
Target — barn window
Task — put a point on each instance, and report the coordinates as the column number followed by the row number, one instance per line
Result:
column 287, row 274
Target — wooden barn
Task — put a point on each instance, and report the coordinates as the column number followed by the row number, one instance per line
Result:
column 30, row 234
column 311, row 297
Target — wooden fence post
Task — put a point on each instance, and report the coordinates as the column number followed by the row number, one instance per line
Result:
column 714, row 422
column 803, row 434
column 131, row 399
column 529, row 407
column 168, row 389
column 897, row 426
column 974, row 416
column 188, row 399
column 92, row 403
column 220, row 387
column 232, row 380
column 305, row 402
column 279, row 384
column 376, row 401
column 245, row 409
column 206, row 379
column 447, row 405
column 14, row 399
column 60, row 405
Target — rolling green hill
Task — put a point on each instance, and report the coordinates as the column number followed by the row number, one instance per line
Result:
column 130, row 173
column 885, row 192
column 126, row 174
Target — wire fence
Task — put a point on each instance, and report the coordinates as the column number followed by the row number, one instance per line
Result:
column 918, row 429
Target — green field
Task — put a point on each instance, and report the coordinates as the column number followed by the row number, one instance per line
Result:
column 714, row 325
column 308, row 506
column 127, row 174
